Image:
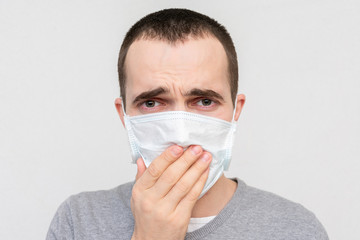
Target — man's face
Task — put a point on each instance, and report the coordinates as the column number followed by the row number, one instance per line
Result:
column 190, row 76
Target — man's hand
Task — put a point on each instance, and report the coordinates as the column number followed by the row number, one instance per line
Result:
column 165, row 193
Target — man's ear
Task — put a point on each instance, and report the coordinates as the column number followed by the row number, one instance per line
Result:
column 119, row 109
column 240, row 101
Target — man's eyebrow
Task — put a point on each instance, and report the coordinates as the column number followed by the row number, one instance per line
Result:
column 204, row 93
column 150, row 94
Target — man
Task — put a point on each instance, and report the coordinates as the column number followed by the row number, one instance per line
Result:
column 178, row 78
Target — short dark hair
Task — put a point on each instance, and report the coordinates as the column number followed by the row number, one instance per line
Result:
column 173, row 25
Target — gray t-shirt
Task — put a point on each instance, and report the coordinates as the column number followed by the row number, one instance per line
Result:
column 251, row 214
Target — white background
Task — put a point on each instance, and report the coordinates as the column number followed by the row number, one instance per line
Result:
column 298, row 136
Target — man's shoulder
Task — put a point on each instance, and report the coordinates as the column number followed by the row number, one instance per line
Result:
column 258, row 200
column 275, row 214
column 101, row 200
column 100, row 214
column 113, row 195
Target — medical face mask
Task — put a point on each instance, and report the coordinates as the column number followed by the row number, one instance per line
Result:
column 150, row 134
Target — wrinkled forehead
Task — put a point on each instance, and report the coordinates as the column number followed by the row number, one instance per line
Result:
column 195, row 61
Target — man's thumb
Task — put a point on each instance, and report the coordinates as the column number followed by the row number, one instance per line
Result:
column 140, row 168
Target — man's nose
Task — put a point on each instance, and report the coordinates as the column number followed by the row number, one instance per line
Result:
column 180, row 106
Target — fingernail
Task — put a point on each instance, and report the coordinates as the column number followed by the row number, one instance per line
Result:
column 195, row 150
column 205, row 157
column 176, row 150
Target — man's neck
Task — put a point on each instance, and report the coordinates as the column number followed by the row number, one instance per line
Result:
column 215, row 199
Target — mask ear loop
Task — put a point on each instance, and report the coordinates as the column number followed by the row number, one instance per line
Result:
column 132, row 139
column 122, row 106
column 229, row 150
column 233, row 117
column 126, row 120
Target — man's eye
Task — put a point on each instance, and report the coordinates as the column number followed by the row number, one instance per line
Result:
column 151, row 103
column 205, row 102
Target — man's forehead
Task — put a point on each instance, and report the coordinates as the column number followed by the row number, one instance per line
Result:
column 179, row 69
column 183, row 87
column 190, row 52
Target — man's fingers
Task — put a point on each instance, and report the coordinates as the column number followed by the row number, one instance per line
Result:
column 140, row 168
column 158, row 166
column 191, row 198
column 175, row 171
column 187, row 182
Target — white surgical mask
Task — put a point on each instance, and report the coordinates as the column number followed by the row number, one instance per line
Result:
column 150, row 134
